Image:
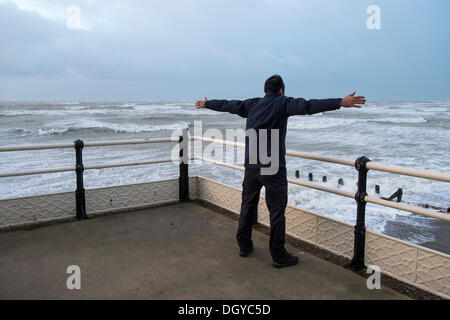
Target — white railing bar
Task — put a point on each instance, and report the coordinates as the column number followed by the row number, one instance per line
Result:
column 225, row 142
column 128, row 164
column 395, row 205
column 409, row 172
column 31, row 172
column 219, row 163
column 321, row 188
column 38, row 147
column 319, row 157
column 439, row 176
column 297, row 182
column 405, row 207
column 370, row 165
column 88, row 144
column 288, row 152
column 112, row 165
column 134, row 141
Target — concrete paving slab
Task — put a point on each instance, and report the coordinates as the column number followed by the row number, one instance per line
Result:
column 180, row 251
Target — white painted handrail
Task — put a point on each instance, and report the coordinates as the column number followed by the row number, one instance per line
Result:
column 370, row 165
column 127, row 164
column 439, row 176
column 405, row 207
column 395, row 205
column 38, row 147
column 225, row 142
column 103, row 166
column 31, row 172
column 88, row 144
column 311, row 156
column 212, row 161
column 123, row 142
column 321, row 188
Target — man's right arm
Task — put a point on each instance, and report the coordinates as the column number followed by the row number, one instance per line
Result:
column 300, row 106
column 239, row 107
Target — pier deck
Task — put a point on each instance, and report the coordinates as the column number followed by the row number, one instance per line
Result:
column 180, row 251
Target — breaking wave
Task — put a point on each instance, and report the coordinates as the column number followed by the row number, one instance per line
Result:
column 106, row 128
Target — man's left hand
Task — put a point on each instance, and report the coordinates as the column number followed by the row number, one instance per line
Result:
column 351, row 101
column 201, row 103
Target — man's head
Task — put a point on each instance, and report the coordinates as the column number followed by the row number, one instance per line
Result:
column 274, row 83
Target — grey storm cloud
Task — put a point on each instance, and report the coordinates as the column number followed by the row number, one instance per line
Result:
column 34, row 45
column 24, row 48
column 181, row 49
column 173, row 42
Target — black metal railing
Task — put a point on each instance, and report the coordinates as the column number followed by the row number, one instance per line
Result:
column 362, row 165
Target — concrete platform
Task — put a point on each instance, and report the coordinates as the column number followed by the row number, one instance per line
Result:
column 181, row 251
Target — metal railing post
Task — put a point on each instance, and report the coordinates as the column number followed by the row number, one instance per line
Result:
column 357, row 262
column 80, row 198
column 184, row 170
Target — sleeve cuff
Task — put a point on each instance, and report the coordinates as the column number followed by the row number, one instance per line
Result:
column 208, row 104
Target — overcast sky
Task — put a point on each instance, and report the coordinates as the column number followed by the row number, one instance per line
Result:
column 186, row 49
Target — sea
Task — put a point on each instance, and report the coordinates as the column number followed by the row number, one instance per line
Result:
column 414, row 134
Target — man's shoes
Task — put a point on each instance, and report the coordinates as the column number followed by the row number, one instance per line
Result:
column 246, row 252
column 286, row 261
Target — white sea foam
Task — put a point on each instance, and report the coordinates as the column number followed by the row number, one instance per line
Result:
column 68, row 111
column 400, row 120
column 154, row 107
column 319, row 122
column 68, row 103
column 76, row 107
column 99, row 126
column 124, row 109
column 435, row 109
column 329, row 122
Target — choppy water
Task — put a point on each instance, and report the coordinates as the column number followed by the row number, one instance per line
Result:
column 411, row 134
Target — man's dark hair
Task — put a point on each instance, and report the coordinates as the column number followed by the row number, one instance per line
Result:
column 274, row 83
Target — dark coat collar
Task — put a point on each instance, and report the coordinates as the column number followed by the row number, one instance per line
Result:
column 271, row 93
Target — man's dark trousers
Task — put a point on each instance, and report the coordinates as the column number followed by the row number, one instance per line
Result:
column 276, row 200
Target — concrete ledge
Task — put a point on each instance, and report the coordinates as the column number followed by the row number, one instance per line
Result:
column 179, row 251
column 388, row 281
column 52, row 221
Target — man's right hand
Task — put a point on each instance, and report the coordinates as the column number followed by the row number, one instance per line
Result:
column 351, row 101
column 201, row 103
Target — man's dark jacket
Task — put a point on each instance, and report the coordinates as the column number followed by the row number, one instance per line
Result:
column 271, row 112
